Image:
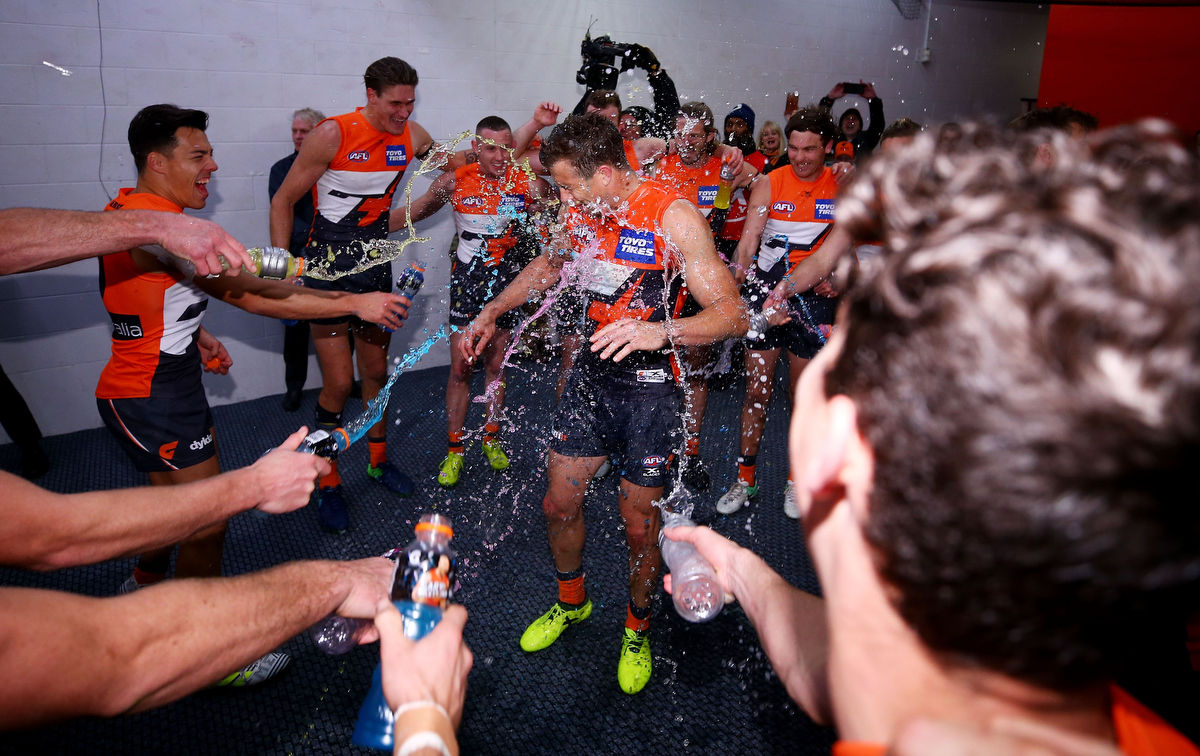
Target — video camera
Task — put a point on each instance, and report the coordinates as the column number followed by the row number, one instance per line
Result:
column 600, row 65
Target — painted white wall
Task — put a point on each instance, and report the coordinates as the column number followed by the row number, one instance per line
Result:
column 250, row 63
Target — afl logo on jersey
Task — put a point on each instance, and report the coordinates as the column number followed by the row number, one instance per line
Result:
column 396, row 155
column 472, row 201
column 635, row 246
column 706, row 195
column 824, row 210
column 358, row 156
column 783, row 207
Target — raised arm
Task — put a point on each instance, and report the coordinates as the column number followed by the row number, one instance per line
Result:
column 317, row 152
column 65, row 655
column 42, row 530
column 34, row 238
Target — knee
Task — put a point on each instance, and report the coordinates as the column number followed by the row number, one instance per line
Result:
column 559, row 511
column 337, row 386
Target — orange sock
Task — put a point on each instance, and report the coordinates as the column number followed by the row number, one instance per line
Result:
column 636, row 623
column 378, row 451
column 570, row 587
column 746, row 474
column 489, row 431
column 141, row 577
column 693, row 446
column 332, row 480
column 456, row 444
column 790, row 478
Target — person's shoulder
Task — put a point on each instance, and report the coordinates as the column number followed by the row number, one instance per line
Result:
column 284, row 165
column 757, row 159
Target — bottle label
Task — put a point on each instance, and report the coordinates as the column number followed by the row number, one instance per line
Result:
column 427, row 576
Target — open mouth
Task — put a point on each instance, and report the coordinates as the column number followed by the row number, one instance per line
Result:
column 202, row 187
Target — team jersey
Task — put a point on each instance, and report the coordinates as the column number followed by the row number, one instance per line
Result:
column 735, row 219
column 354, row 195
column 155, row 317
column 698, row 184
column 484, row 211
column 626, row 275
column 799, row 218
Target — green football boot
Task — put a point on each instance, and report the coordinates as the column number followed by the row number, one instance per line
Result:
column 544, row 630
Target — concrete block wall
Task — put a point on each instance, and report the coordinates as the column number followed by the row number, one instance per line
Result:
column 250, row 63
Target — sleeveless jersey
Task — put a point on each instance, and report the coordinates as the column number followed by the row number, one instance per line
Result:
column 625, row 275
column 697, row 184
column 353, row 197
column 800, row 216
column 484, row 211
column 155, row 317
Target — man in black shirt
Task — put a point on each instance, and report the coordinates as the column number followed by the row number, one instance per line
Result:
column 295, row 333
column 851, row 123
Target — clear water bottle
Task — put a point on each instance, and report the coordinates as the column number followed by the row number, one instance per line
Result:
column 424, row 584
column 695, row 588
column 335, row 635
column 410, row 282
column 273, row 263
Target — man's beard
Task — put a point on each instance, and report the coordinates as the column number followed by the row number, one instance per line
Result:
column 743, row 142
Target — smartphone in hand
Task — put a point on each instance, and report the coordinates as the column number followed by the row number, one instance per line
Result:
column 854, row 89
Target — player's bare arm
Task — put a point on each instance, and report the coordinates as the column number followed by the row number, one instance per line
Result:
column 539, row 276
column 70, row 655
column 756, row 220
column 278, row 299
column 723, row 315
column 318, row 151
column 815, row 268
column 35, row 239
column 43, row 530
column 427, row 204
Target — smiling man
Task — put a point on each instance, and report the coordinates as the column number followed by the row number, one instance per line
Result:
column 356, row 162
column 628, row 234
column 492, row 199
column 150, row 394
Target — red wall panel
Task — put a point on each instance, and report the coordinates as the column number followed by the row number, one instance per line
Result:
column 1124, row 63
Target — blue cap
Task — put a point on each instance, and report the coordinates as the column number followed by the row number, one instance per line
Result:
column 744, row 112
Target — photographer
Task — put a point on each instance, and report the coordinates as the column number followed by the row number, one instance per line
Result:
column 600, row 70
column 850, row 123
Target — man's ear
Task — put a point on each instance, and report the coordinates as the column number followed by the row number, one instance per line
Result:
column 1045, row 154
column 157, row 162
column 824, row 469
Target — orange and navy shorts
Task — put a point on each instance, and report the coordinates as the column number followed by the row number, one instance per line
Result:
column 159, row 434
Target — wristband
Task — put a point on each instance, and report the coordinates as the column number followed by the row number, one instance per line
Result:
column 423, row 704
column 423, row 739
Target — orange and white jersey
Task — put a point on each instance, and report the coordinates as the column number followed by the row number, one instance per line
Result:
column 698, row 184
column 155, row 317
column 484, row 211
column 354, row 195
column 799, row 217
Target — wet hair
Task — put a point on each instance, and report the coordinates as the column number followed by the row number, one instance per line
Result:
column 1059, row 117
column 388, row 72
column 603, row 98
column 308, row 114
column 698, row 111
column 814, row 119
column 1025, row 360
column 901, row 127
column 586, row 142
column 772, row 126
column 153, row 130
column 492, row 123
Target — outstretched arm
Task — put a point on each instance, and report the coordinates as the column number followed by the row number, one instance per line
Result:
column 42, row 530
column 538, row 276
column 34, row 239
column 65, row 655
column 790, row 623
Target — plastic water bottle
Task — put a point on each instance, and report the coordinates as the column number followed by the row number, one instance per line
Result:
column 410, row 282
column 335, row 635
column 273, row 263
column 424, row 583
column 695, row 588
column 725, row 187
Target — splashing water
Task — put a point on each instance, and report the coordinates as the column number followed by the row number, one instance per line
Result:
column 373, row 413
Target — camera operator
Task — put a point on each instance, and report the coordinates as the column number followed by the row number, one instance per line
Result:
column 600, row 70
column 850, row 123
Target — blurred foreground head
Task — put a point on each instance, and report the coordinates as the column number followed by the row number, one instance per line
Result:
column 1025, row 363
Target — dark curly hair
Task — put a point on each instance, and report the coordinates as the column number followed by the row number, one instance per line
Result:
column 586, row 142
column 1026, row 363
column 812, row 118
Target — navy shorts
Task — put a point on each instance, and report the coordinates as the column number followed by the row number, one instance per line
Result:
column 474, row 284
column 161, row 435
column 804, row 336
column 637, row 430
column 347, row 255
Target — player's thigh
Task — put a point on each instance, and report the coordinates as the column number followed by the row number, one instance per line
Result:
column 569, row 478
column 371, row 350
column 332, row 343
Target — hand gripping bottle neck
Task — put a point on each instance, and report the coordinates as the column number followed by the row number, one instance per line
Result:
column 725, row 186
column 695, row 588
column 424, row 583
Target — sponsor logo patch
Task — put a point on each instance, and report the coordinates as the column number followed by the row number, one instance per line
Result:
column 824, row 210
column 201, row 443
column 512, row 203
column 654, row 460
column 358, row 156
column 653, row 375
column 635, row 246
column 783, row 207
column 473, row 201
column 706, row 195
column 126, row 327
column 396, row 154
column 167, row 451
